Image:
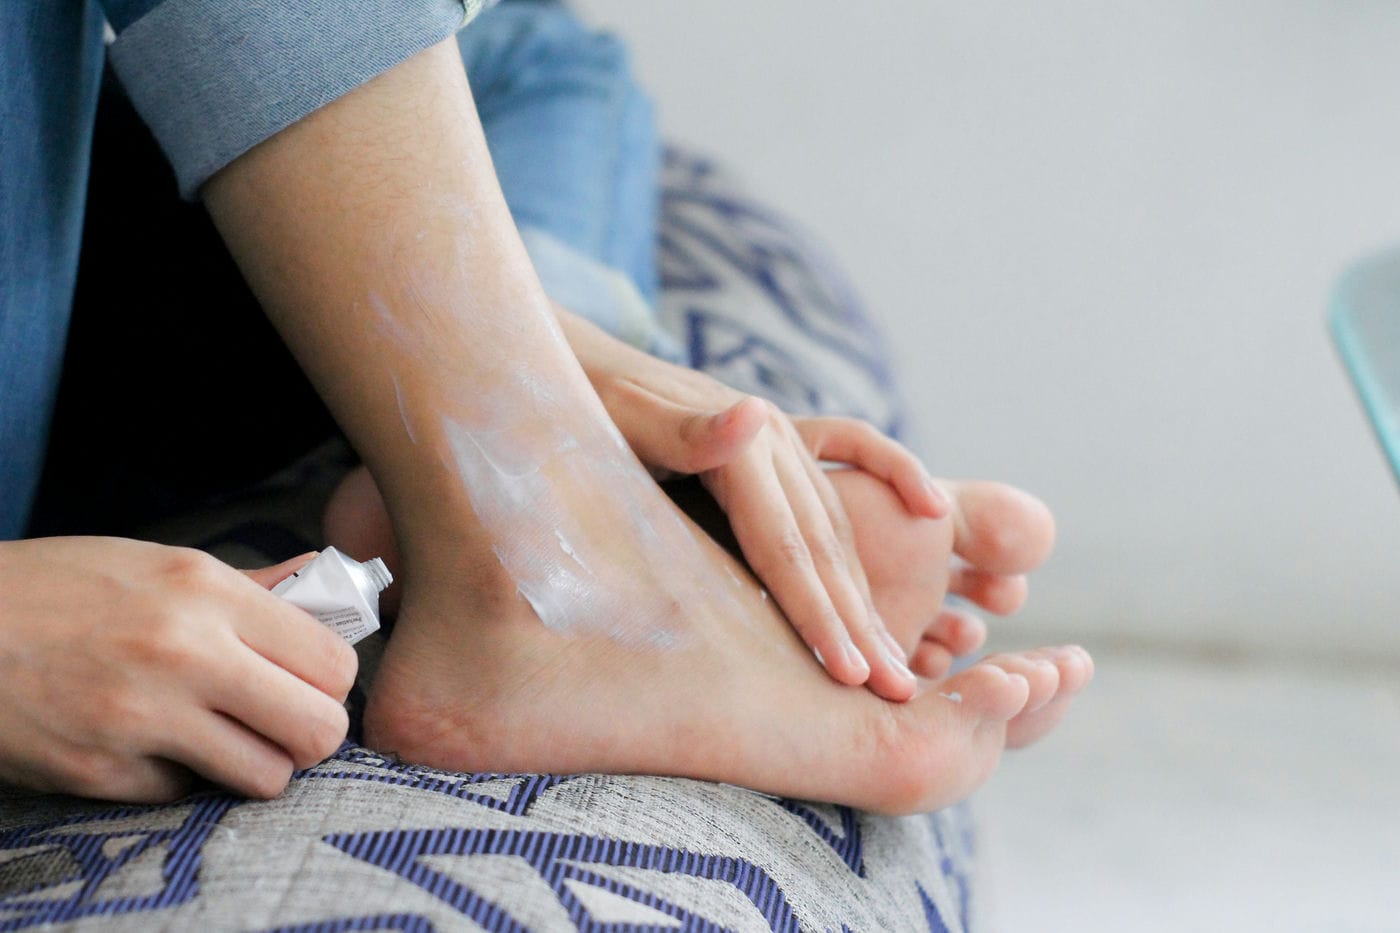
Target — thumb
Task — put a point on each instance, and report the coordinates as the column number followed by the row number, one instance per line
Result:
column 687, row 439
column 268, row 577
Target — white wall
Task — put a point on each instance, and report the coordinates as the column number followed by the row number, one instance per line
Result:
column 1104, row 234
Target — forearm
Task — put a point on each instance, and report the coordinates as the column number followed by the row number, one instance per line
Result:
column 376, row 237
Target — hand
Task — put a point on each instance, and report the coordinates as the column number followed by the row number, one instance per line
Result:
column 762, row 468
column 125, row 665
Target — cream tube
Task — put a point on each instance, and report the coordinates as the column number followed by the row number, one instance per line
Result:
column 343, row 594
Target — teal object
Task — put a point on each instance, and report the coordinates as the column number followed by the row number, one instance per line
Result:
column 1365, row 321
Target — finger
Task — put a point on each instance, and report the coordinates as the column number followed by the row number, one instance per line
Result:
column 846, row 440
column 684, row 438
column 1000, row 529
column 824, row 521
column 999, row 594
column 268, row 577
column 228, row 753
column 292, row 639
column 136, row 780
column 774, row 546
column 304, row 722
column 828, row 518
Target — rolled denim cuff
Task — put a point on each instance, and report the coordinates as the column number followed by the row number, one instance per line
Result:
column 213, row 79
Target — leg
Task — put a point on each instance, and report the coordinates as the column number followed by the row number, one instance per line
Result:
column 558, row 612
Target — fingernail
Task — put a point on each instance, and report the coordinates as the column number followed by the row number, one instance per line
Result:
column 895, row 654
column 940, row 497
column 855, row 658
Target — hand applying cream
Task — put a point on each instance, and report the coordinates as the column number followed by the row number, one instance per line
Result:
column 342, row 593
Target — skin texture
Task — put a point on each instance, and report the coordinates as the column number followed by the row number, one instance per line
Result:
column 680, row 421
column 376, row 238
column 790, row 525
column 127, row 668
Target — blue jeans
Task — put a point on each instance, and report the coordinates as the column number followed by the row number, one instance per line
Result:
column 575, row 148
column 574, row 142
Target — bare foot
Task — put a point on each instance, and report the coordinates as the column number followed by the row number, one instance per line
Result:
column 472, row 680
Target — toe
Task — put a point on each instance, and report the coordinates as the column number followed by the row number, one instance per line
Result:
column 958, row 630
column 998, row 593
column 1042, row 675
column 946, row 742
column 1001, row 529
column 987, row 692
column 931, row 659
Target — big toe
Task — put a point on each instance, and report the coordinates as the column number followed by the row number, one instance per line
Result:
column 1000, row 529
column 947, row 741
column 987, row 692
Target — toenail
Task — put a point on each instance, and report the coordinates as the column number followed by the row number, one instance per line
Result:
column 1074, row 652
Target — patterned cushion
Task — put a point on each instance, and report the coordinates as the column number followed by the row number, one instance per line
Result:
column 360, row 842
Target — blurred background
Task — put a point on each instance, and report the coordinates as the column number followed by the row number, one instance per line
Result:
column 1104, row 235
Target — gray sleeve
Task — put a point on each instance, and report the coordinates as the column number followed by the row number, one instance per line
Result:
column 213, row 78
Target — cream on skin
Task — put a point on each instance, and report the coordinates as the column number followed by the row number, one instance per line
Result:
column 511, row 464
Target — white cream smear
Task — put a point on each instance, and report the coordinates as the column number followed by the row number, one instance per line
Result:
column 630, row 572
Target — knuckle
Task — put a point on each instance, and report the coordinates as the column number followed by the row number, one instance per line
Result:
column 161, row 640
column 193, row 569
column 341, row 664
column 127, row 708
column 791, row 549
column 827, row 550
column 325, row 730
column 269, row 779
column 90, row 772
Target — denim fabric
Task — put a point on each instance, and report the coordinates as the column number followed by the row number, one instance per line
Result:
column 570, row 132
column 574, row 142
column 50, row 61
column 599, row 293
column 213, row 79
